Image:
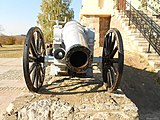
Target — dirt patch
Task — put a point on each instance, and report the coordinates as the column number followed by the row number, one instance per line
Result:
column 11, row 51
column 140, row 85
column 90, row 98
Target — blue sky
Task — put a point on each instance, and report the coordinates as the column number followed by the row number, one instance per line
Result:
column 17, row 16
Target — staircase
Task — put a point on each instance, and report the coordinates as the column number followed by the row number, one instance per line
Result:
column 153, row 7
column 141, row 33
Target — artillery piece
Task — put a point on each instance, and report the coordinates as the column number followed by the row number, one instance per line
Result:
column 73, row 50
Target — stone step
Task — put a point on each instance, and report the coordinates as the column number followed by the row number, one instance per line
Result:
column 141, row 43
column 151, row 55
column 131, row 27
column 158, row 23
column 154, row 58
column 125, row 24
column 125, row 19
column 138, row 39
column 154, row 63
column 131, row 30
column 136, row 35
column 156, row 70
column 142, row 48
column 120, row 17
column 116, row 13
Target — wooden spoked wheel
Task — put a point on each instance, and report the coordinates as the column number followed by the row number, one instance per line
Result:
column 112, row 59
column 33, row 59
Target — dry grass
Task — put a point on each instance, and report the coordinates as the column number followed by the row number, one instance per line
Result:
column 11, row 51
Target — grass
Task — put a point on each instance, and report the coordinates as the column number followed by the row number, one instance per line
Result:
column 11, row 51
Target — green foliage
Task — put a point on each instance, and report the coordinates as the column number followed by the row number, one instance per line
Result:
column 58, row 11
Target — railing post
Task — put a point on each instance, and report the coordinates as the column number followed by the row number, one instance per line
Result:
column 129, row 15
column 149, row 48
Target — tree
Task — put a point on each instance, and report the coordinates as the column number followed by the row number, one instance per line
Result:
column 58, row 11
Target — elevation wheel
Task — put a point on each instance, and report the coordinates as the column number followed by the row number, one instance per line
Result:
column 112, row 59
column 33, row 59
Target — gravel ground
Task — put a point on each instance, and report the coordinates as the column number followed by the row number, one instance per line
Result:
column 87, row 99
column 12, row 74
column 11, row 81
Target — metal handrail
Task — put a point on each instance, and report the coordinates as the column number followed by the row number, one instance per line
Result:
column 148, row 28
column 154, row 9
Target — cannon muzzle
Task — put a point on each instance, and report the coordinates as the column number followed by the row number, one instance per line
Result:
column 78, row 53
column 77, row 58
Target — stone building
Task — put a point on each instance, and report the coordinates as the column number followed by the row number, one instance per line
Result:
column 97, row 14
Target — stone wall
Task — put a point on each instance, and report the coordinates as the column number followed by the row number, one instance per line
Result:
column 101, row 24
column 104, row 26
column 98, row 7
column 92, row 22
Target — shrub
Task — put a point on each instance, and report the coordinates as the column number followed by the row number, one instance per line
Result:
column 11, row 40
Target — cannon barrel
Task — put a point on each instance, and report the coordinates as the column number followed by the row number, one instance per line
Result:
column 77, row 51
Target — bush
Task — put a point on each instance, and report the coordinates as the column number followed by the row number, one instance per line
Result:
column 22, row 42
column 11, row 40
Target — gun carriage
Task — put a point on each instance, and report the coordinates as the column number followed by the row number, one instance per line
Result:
column 72, row 55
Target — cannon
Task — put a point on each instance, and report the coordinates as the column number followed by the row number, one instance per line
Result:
column 72, row 49
column 72, row 55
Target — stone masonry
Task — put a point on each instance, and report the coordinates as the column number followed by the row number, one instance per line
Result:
column 100, row 23
column 64, row 98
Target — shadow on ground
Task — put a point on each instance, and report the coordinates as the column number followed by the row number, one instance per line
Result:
column 141, row 88
column 66, row 85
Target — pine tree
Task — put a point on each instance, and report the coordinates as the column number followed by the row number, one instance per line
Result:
column 57, row 11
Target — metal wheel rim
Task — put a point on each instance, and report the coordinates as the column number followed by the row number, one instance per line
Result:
column 112, row 65
column 33, row 59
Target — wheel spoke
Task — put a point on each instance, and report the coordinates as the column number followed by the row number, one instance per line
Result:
column 37, row 78
column 33, row 50
column 33, row 42
column 34, row 75
column 114, row 70
column 109, row 42
column 40, row 47
column 112, row 43
column 108, row 79
column 104, row 74
column 111, row 78
column 32, row 68
column 40, row 76
column 113, row 74
column 38, row 42
column 104, row 52
column 114, row 52
column 114, row 60
column 42, row 69
column 32, row 59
